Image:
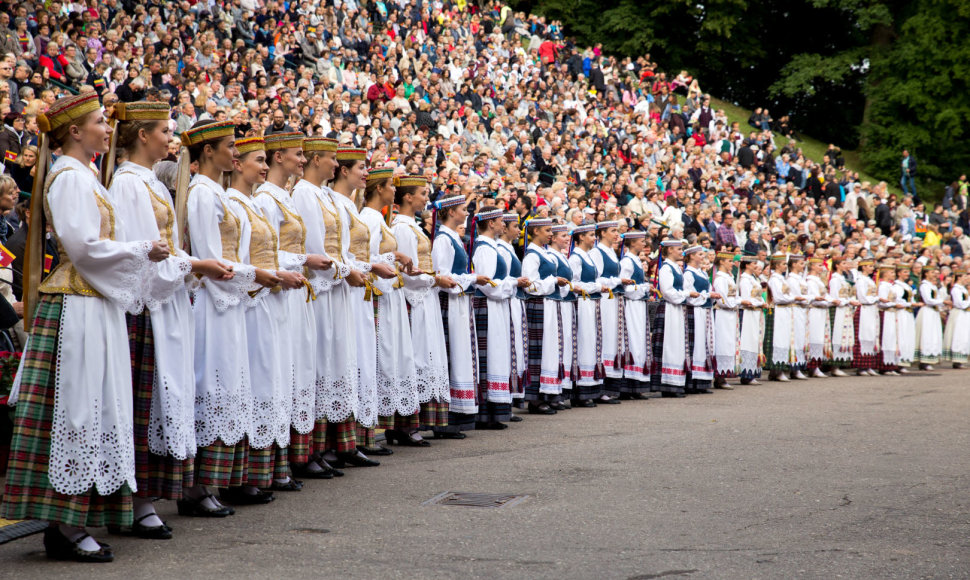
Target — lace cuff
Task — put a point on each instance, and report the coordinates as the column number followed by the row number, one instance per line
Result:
column 292, row 262
column 173, row 275
column 363, row 267
column 130, row 291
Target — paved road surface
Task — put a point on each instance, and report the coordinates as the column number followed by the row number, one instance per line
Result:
column 836, row 478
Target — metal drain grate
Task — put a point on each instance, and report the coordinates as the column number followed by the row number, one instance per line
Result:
column 482, row 500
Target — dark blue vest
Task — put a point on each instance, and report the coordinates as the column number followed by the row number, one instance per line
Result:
column 678, row 277
column 460, row 263
column 587, row 274
column 638, row 276
column 611, row 269
column 564, row 271
column 501, row 270
column 515, row 271
column 547, row 269
column 701, row 284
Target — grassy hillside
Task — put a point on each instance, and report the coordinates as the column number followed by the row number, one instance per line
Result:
column 815, row 149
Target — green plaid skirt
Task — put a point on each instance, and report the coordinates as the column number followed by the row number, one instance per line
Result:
column 221, row 465
column 28, row 493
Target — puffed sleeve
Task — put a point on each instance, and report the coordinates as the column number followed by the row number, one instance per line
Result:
column 486, row 262
column 205, row 211
column 130, row 198
column 835, row 286
column 372, row 220
column 778, row 295
column 723, row 287
column 886, row 291
column 116, row 269
column 270, row 209
column 443, row 258
column 667, row 290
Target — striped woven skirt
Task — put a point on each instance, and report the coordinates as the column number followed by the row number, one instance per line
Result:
column 298, row 453
column 456, row 421
column 488, row 411
column 28, row 493
column 542, row 386
column 267, row 464
column 157, row 476
column 695, row 384
column 769, row 343
column 433, row 415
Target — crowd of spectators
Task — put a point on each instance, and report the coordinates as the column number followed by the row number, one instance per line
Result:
column 493, row 103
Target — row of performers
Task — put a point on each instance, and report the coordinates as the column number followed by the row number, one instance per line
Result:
column 270, row 329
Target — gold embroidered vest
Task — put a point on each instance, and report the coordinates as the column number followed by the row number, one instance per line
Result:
column 331, row 222
column 292, row 230
column 262, row 241
column 229, row 233
column 65, row 279
column 388, row 241
column 359, row 239
column 424, row 251
column 164, row 217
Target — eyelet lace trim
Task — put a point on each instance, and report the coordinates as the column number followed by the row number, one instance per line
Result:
column 171, row 419
column 225, row 412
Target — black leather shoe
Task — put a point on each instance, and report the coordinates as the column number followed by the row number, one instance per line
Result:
column 60, row 548
column 355, row 459
column 449, row 435
column 379, row 450
column 493, row 426
column 667, row 395
column 407, row 439
column 137, row 529
column 639, row 397
column 515, row 419
column 237, row 496
column 559, row 406
column 541, row 409
column 291, row 485
column 588, row 403
column 607, row 401
column 195, row 508
column 305, row 473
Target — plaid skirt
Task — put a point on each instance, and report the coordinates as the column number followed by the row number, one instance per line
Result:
column 221, row 465
column 433, row 415
column 769, row 343
column 298, row 452
column 330, row 436
column 859, row 360
column 657, row 325
column 694, row 384
column 398, row 422
column 835, row 363
column 28, row 493
column 157, row 476
column 262, row 466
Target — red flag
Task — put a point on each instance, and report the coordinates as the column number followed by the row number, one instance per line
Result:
column 48, row 260
column 6, row 256
column 10, row 155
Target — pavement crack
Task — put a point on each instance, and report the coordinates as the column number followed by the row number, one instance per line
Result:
column 662, row 574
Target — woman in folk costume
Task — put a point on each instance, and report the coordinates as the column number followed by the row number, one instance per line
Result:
column 334, row 430
column 559, row 248
column 956, row 337
column 778, row 321
column 298, row 328
column 520, row 329
column 929, row 326
column 727, row 335
column 700, row 322
column 589, row 338
column 449, row 257
column 397, row 383
column 420, row 290
column 161, row 338
column 751, row 342
column 799, row 334
column 843, row 307
column 819, row 325
column 272, row 397
column 866, row 349
column 888, row 362
column 542, row 312
column 905, row 319
column 72, row 461
column 351, row 176
column 611, row 308
column 669, row 342
column 223, row 390
column 492, row 322
column 636, row 364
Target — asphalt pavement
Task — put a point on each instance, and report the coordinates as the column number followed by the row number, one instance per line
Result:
column 826, row 478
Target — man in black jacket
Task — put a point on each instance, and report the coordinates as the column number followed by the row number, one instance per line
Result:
column 884, row 216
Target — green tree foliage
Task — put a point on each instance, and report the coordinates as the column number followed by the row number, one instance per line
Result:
column 883, row 74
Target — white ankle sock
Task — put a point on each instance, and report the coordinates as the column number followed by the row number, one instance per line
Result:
column 144, row 507
column 89, row 544
column 250, row 490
